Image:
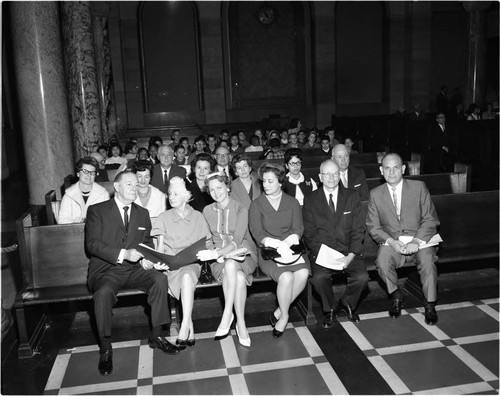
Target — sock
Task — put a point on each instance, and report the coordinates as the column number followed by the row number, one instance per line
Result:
column 156, row 331
column 105, row 343
column 397, row 294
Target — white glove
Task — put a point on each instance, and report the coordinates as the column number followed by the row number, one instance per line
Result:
column 284, row 251
column 207, row 255
column 291, row 240
column 271, row 242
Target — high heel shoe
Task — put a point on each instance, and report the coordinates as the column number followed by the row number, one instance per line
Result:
column 278, row 333
column 273, row 319
column 243, row 341
column 182, row 344
column 220, row 334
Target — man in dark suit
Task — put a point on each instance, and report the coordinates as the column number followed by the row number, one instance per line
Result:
column 350, row 176
column 333, row 216
column 223, row 158
column 442, row 100
column 165, row 170
column 399, row 208
column 113, row 231
column 441, row 147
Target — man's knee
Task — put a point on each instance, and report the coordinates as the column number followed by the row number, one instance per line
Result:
column 319, row 278
column 105, row 293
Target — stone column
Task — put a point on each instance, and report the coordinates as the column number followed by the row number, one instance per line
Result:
column 81, row 76
column 44, row 117
column 475, row 89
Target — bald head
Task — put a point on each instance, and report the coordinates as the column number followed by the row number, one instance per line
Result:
column 340, row 154
column 329, row 175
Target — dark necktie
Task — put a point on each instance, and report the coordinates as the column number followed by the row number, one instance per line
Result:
column 125, row 218
column 331, row 205
column 165, row 180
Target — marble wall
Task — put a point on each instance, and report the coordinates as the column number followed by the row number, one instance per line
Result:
column 81, row 75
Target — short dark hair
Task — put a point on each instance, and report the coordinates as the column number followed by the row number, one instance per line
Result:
column 274, row 142
column 278, row 170
column 203, row 157
column 142, row 165
column 87, row 161
column 211, row 135
column 179, row 146
column 293, row 152
column 200, row 138
column 154, row 139
column 152, row 145
column 102, row 147
column 129, row 146
column 239, row 158
column 141, row 149
column 110, row 149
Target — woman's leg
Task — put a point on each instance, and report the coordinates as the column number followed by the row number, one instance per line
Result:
column 240, row 300
column 290, row 285
column 187, row 299
column 229, row 289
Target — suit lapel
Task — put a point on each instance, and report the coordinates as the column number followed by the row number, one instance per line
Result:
column 388, row 200
column 405, row 198
column 339, row 210
column 117, row 216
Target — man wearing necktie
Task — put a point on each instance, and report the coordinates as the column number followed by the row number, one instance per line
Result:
column 222, row 157
column 113, row 231
column 333, row 216
column 351, row 176
column 397, row 208
column 165, row 170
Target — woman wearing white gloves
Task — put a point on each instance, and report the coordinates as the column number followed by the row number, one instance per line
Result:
column 275, row 220
column 228, row 222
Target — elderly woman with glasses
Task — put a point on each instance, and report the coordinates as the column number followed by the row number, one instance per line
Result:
column 275, row 221
column 296, row 184
column 228, row 222
column 82, row 194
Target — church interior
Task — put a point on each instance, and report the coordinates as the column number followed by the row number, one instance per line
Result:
column 77, row 75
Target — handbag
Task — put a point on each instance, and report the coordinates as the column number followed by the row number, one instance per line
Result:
column 269, row 253
column 206, row 276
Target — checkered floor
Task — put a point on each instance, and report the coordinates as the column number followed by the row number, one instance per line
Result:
column 293, row 364
column 458, row 356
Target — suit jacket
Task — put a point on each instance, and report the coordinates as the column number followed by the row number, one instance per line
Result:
column 343, row 231
column 239, row 192
column 418, row 216
column 157, row 179
column 105, row 235
column 356, row 180
column 438, row 160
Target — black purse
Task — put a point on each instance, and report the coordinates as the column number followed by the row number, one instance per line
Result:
column 206, row 276
column 269, row 253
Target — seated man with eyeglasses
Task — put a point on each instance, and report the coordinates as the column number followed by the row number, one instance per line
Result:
column 333, row 217
column 82, row 194
column 222, row 157
column 296, row 184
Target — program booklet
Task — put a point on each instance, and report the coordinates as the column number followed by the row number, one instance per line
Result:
column 184, row 257
column 327, row 257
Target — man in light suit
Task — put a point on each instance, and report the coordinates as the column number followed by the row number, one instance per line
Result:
column 397, row 208
column 165, row 170
column 333, row 216
column 113, row 231
column 350, row 176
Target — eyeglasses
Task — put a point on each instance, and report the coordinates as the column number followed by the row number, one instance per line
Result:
column 87, row 172
column 296, row 163
column 329, row 174
column 221, row 155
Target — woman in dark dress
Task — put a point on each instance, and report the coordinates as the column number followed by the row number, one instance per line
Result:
column 201, row 166
column 275, row 220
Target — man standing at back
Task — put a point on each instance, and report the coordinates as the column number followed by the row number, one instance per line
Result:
column 403, row 208
column 165, row 170
column 333, row 217
column 113, row 231
column 351, row 177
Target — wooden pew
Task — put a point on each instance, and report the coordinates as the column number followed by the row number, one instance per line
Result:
column 438, row 183
column 54, row 267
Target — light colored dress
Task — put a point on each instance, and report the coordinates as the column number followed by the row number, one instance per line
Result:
column 157, row 202
column 73, row 208
column 230, row 225
column 180, row 233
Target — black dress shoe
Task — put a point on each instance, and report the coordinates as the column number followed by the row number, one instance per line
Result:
column 395, row 309
column 272, row 319
column 106, row 362
column 431, row 316
column 277, row 333
column 348, row 311
column 329, row 319
column 182, row 344
column 163, row 345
